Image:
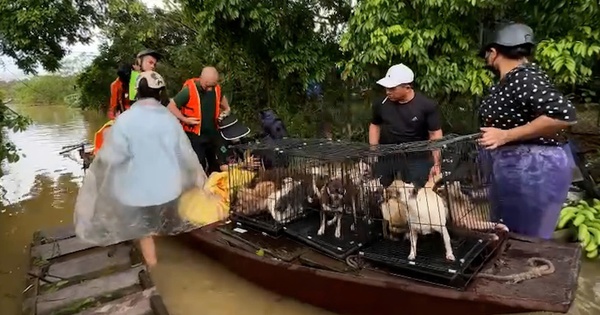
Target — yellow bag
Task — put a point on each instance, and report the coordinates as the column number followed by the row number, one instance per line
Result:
column 201, row 207
column 211, row 204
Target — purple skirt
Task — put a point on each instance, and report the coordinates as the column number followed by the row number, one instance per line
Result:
column 529, row 184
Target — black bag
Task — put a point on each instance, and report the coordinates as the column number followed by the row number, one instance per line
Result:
column 272, row 126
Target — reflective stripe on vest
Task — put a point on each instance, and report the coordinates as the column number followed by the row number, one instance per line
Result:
column 193, row 107
column 99, row 135
column 132, row 82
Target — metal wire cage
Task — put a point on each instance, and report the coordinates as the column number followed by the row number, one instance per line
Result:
column 435, row 225
column 316, row 180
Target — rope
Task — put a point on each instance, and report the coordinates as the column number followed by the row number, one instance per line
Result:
column 354, row 262
column 539, row 267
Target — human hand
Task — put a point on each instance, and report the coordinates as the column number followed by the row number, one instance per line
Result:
column 224, row 114
column 253, row 162
column 191, row 121
column 435, row 171
column 493, row 138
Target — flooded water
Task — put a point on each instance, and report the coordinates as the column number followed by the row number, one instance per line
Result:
column 42, row 188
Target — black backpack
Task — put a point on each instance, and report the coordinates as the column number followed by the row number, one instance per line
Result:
column 272, row 126
column 273, row 129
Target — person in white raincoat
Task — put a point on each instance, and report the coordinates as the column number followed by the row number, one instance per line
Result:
column 132, row 187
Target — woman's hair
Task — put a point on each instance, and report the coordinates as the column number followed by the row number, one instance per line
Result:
column 124, row 72
column 515, row 52
column 144, row 91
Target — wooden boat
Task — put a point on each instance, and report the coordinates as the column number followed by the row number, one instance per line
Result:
column 291, row 269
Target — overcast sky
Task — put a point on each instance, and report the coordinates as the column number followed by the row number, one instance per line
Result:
column 9, row 71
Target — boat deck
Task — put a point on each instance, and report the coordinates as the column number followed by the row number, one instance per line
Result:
column 290, row 268
column 69, row 277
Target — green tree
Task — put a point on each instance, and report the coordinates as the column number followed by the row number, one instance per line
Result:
column 440, row 40
column 36, row 32
column 266, row 52
column 44, row 90
column 9, row 120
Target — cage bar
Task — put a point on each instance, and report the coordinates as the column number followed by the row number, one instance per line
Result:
column 312, row 189
column 436, row 227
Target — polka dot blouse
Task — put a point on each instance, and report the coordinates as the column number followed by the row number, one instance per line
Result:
column 524, row 95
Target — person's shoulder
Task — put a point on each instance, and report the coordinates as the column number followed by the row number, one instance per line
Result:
column 422, row 99
column 424, row 102
column 527, row 72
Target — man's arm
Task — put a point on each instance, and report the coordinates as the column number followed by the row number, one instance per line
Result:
column 374, row 134
column 434, row 127
column 375, row 126
column 114, row 99
column 225, row 104
column 178, row 101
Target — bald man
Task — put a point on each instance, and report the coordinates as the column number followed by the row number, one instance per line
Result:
column 198, row 106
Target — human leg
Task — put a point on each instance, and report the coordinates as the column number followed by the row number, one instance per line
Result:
column 148, row 250
column 199, row 147
column 217, row 154
column 529, row 186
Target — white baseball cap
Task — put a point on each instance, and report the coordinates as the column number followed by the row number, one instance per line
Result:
column 396, row 75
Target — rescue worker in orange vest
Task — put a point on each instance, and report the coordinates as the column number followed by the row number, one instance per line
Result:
column 198, row 106
column 119, row 92
column 123, row 91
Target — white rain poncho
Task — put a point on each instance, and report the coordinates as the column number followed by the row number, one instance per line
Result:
column 133, row 186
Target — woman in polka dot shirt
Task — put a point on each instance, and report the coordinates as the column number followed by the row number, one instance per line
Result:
column 522, row 122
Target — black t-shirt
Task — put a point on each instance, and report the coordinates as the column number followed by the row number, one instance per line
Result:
column 407, row 122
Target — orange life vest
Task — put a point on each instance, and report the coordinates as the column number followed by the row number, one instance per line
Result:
column 117, row 98
column 194, row 109
column 99, row 135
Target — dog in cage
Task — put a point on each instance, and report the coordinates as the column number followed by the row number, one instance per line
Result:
column 426, row 212
column 287, row 202
column 394, row 211
column 463, row 209
column 384, row 204
column 339, row 193
column 251, row 201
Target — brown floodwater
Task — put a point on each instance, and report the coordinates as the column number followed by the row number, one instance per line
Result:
column 41, row 190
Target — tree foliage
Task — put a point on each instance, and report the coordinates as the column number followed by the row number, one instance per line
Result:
column 44, row 90
column 36, row 32
column 270, row 52
column 9, row 120
column 267, row 52
column 440, row 39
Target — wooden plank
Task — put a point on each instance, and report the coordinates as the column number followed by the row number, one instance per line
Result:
column 88, row 289
column 60, row 248
column 57, row 234
column 134, row 304
column 91, row 262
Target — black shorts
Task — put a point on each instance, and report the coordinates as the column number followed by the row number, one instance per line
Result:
column 414, row 168
column 212, row 151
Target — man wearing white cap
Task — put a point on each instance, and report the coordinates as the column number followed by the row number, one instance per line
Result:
column 405, row 115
